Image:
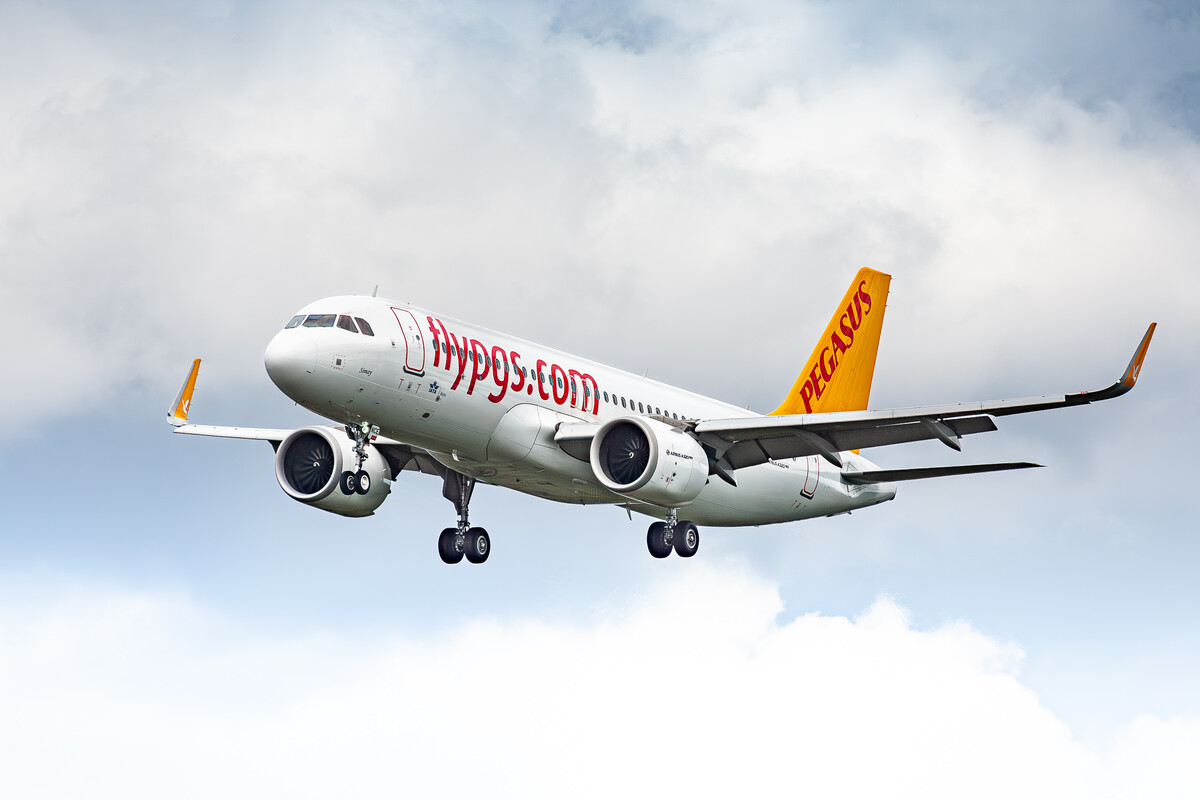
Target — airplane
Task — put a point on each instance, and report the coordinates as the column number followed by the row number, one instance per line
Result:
column 414, row 390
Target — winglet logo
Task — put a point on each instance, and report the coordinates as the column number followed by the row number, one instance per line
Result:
column 840, row 342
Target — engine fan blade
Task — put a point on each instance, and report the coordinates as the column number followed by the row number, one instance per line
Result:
column 628, row 454
column 310, row 464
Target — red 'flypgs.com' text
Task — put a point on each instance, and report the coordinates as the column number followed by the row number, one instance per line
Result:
column 502, row 368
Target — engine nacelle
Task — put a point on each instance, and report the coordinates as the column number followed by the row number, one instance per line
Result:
column 309, row 465
column 650, row 461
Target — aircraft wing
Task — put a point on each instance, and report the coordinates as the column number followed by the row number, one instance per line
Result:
column 274, row 435
column 748, row 441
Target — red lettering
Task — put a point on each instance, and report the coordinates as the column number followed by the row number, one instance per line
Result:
column 806, row 393
column 498, row 356
column 826, row 374
column 593, row 390
column 557, row 382
column 864, row 297
column 437, row 347
column 816, row 382
column 850, row 309
column 541, row 378
column 847, row 331
column 515, row 357
column 480, row 367
column 462, row 359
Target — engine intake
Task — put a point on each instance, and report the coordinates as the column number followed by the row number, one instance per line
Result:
column 649, row 461
column 309, row 464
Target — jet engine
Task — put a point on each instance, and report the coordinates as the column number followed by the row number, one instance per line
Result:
column 311, row 465
column 647, row 460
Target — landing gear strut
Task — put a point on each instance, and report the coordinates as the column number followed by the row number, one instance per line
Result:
column 454, row 543
column 359, row 480
column 682, row 537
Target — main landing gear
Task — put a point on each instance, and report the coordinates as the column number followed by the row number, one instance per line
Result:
column 359, row 480
column 682, row 537
column 454, row 543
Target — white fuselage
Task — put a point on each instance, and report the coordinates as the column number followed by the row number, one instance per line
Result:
column 488, row 405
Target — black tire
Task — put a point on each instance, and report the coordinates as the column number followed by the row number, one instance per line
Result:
column 656, row 540
column 348, row 483
column 362, row 481
column 478, row 545
column 687, row 539
column 446, row 549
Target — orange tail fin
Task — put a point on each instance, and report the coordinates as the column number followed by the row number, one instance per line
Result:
column 838, row 374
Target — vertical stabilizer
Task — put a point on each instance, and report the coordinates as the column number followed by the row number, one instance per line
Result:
column 838, row 374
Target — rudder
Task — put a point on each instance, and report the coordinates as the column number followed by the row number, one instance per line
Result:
column 837, row 376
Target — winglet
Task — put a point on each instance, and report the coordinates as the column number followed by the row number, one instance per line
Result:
column 1135, row 364
column 1125, row 383
column 177, row 414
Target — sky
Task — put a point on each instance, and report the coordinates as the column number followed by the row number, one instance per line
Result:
column 681, row 189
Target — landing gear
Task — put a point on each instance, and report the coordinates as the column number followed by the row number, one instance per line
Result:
column 352, row 482
column 448, row 547
column 454, row 543
column 362, row 434
column 658, row 540
column 687, row 539
column 682, row 537
column 479, row 544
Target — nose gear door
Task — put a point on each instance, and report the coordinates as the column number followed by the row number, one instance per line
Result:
column 414, row 342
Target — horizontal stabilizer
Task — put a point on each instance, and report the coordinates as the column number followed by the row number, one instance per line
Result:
column 918, row 473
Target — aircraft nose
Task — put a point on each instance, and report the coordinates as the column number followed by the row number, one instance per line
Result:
column 289, row 359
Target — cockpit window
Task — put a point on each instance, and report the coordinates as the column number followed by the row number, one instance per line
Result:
column 346, row 324
column 320, row 320
column 364, row 326
column 296, row 320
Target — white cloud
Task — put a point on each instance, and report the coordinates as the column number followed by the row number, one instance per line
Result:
column 698, row 686
column 588, row 179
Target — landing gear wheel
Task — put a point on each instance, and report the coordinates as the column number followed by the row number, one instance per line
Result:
column 687, row 539
column 348, row 483
column 362, row 480
column 447, row 546
column 658, row 540
column 478, row 545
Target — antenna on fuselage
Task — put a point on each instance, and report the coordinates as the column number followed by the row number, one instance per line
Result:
column 375, row 291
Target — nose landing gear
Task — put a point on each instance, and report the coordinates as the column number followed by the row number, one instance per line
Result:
column 359, row 480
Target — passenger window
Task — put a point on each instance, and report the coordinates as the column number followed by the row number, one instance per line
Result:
column 346, row 324
column 606, row 397
column 622, row 402
column 657, row 411
column 295, row 322
column 320, row 320
column 364, row 326
column 640, row 409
